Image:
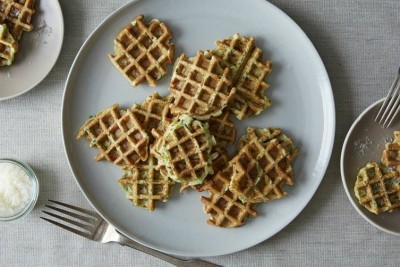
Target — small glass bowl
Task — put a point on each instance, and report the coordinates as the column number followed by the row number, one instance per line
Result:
column 35, row 189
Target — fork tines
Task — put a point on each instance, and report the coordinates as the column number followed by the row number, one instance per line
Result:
column 391, row 106
column 85, row 221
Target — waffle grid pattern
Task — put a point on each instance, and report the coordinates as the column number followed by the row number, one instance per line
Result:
column 185, row 150
column 200, row 86
column 249, row 72
column 250, row 99
column 17, row 15
column 143, row 51
column 260, row 171
column 378, row 191
column 223, row 129
column 144, row 185
column 154, row 113
column 120, row 138
column 234, row 53
column 225, row 209
column 267, row 134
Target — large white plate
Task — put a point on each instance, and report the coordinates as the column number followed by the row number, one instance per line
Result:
column 38, row 51
column 303, row 107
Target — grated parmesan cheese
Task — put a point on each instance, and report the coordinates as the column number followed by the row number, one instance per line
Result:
column 363, row 145
column 15, row 189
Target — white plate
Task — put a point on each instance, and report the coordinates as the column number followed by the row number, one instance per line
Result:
column 365, row 142
column 38, row 51
column 303, row 107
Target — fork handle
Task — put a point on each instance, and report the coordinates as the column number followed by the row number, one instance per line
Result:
column 175, row 261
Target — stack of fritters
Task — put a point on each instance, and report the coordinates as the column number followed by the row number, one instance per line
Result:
column 16, row 16
column 248, row 73
column 200, row 86
column 123, row 138
column 257, row 173
column 183, row 137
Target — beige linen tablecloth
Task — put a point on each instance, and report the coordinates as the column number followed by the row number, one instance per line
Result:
column 359, row 42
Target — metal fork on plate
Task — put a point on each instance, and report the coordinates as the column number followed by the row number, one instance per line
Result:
column 391, row 106
column 94, row 227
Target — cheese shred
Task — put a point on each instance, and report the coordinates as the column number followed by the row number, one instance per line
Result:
column 15, row 189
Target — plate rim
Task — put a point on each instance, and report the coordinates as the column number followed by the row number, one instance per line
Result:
column 342, row 172
column 325, row 152
column 29, row 88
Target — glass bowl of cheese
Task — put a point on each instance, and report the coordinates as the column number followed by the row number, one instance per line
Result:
column 19, row 189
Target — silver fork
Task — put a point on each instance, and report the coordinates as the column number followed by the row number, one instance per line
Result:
column 94, row 227
column 391, row 106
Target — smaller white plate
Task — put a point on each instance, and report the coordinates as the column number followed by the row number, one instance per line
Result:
column 365, row 142
column 38, row 51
